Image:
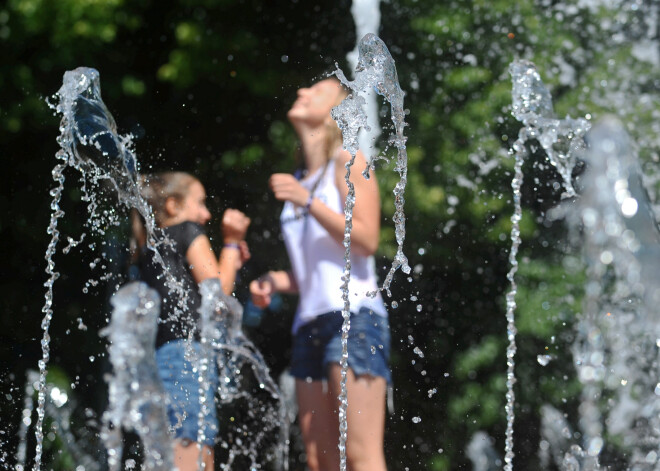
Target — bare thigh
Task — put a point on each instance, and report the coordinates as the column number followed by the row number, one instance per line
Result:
column 187, row 457
column 317, row 414
column 366, row 418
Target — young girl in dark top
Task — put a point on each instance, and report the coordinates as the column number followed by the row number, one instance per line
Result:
column 178, row 201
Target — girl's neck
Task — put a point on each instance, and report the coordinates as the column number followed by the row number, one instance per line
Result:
column 313, row 144
column 171, row 221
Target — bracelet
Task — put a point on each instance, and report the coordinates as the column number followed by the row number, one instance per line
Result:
column 309, row 202
column 232, row 245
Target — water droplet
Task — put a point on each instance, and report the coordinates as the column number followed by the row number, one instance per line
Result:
column 595, row 445
column 416, row 420
column 651, row 458
column 543, row 360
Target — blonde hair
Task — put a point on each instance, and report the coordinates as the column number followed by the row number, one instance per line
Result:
column 159, row 187
column 333, row 136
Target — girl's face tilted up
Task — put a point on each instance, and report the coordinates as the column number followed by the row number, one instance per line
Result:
column 193, row 207
column 313, row 104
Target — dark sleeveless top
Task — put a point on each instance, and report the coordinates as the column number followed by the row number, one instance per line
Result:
column 170, row 325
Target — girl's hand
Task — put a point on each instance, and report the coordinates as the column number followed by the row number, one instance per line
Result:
column 262, row 290
column 285, row 187
column 234, row 226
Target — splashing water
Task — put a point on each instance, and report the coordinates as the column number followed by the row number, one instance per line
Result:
column 616, row 349
column 136, row 395
column 562, row 140
column 59, row 407
column 556, row 436
column 375, row 70
column 90, row 144
column 481, row 452
column 221, row 334
column 88, row 136
column 616, row 346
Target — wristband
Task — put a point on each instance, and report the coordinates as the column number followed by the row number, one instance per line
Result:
column 309, row 202
column 232, row 245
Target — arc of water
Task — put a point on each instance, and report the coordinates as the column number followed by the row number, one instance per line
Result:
column 89, row 137
column 89, row 143
column 375, row 70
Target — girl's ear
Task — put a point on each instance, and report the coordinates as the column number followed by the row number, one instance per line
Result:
column 171, row 206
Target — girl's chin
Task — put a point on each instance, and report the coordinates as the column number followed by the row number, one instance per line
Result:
column 295, row 115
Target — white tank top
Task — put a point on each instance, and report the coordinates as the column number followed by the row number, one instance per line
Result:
column 317, row 260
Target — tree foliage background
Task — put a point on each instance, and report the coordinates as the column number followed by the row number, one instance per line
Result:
column 203, row 86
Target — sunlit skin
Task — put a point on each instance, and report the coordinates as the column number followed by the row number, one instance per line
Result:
column 192, row 208
column 318, row 405
column 203, row 265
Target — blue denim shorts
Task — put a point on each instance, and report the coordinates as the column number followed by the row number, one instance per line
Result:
column 318, row 343
column 182, row 387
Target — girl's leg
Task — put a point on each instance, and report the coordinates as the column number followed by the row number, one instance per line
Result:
column 366, row 418
column 186, row 456
column 317, row 414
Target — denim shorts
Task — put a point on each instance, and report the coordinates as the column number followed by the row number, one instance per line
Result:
column 318, row 343
column 182, row 387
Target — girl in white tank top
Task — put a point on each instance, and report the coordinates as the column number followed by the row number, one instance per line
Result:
column 317, row 261
column 313, row 229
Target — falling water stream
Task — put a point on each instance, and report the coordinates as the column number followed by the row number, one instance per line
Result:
column 562, row 139
column 375, row 71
